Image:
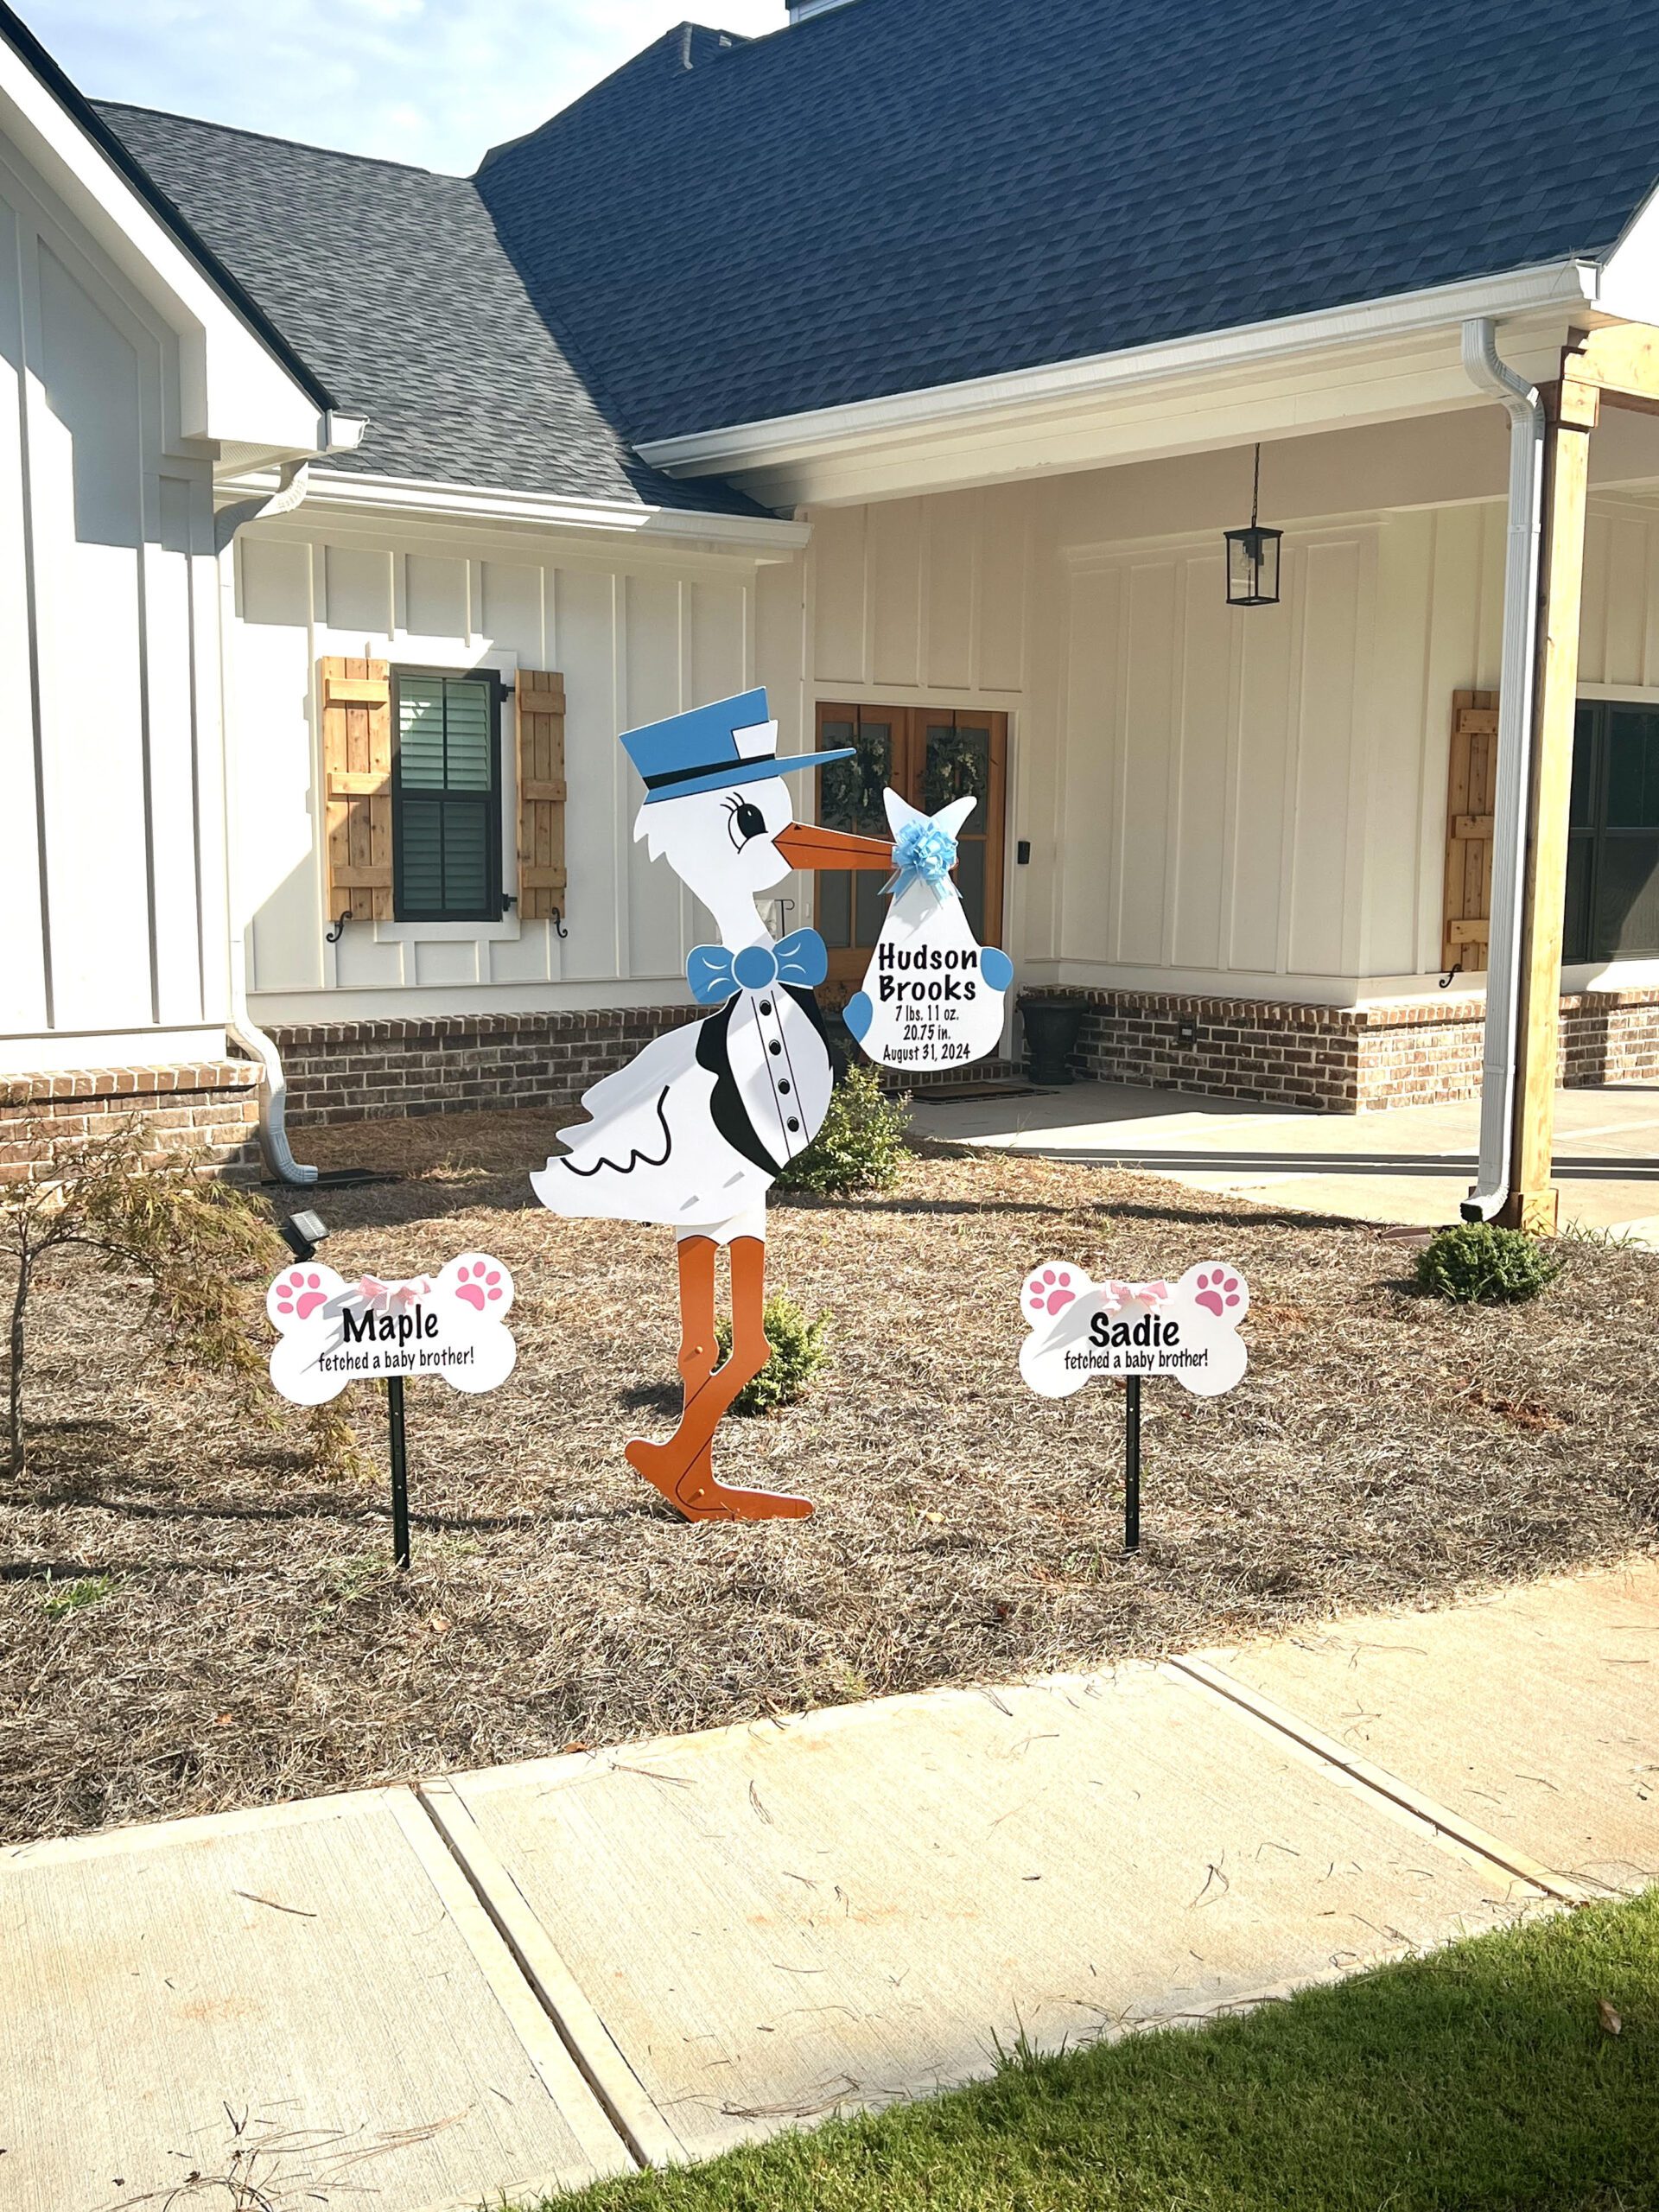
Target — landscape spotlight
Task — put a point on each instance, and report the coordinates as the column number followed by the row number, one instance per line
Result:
column 302, row 1233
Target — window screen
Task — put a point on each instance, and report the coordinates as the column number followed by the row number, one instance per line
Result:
column 446, row 791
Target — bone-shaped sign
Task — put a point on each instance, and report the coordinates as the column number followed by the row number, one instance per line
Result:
column 1082, row 1330
column 334, row 1332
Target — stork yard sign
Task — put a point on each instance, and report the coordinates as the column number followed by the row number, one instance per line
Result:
column 695, row 1130
column 1080, row 1330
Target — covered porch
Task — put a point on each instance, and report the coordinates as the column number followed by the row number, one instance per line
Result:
column 1288, row 854
column 1412, row 1167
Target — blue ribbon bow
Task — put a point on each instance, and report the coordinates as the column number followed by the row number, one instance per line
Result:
column 923, row 853
column 714, row 973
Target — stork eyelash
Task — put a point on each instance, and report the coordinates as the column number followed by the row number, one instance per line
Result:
column 744, row 821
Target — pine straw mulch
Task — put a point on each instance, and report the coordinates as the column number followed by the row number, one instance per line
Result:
column 252, row 1645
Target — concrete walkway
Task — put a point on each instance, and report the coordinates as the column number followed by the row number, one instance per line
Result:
column 524, row 1978
column 1411, row 1165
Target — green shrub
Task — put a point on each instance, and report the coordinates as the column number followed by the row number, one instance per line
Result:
column 798, row 1352
column 860, row 1146
column 1479, row 1265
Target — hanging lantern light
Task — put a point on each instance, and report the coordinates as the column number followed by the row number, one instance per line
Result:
column 1253, row 556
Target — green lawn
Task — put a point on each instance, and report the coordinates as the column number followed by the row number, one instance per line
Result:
column 1480, row 2077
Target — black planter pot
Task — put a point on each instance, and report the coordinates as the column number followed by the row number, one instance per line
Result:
column 1052, row 1027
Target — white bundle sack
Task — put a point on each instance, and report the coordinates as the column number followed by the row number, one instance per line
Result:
column 933, row 997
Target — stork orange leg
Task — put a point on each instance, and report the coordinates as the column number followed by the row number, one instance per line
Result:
column 683, row 1469
column 699, row 1345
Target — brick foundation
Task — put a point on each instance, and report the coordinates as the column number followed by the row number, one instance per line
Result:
column 459, row 1064
column 209, row 1106
column 1335, row 1059
column 1343, row 1059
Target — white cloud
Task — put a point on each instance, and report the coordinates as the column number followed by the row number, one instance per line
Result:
column 431, row 81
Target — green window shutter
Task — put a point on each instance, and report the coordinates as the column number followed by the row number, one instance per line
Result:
column 448, row 792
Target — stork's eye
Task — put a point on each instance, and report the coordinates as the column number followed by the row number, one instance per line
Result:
column 745, row 821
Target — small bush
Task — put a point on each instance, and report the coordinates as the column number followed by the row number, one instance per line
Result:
column 798, row 1352
column 1478, row 1265
column 860, row 1146
column 199, row 1244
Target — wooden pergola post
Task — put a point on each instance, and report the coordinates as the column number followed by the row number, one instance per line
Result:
column 1617, row 362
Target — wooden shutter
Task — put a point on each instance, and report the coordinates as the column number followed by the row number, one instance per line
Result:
column 357, row 779
column 539, row 718
column 1472, row 786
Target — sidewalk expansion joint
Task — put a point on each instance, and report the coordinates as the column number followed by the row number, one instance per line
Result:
column 1381, row 1784
column 626, row 2103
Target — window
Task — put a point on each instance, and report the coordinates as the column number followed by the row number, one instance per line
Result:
column 1613, row 852
column 446, row 792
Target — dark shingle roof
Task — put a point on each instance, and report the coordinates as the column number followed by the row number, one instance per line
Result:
column 905, row 192
column 391, row 282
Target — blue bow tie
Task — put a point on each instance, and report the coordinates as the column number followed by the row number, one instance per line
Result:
column 714, row 973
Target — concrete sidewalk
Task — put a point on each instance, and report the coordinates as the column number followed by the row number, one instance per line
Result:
column 524, row 1978
column 1411, row 1165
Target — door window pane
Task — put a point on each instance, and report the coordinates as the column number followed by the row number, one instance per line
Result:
column 958, row 762
column 850, row 792
column 850, row 907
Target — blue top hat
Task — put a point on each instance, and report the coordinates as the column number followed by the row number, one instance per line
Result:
column 713, row 747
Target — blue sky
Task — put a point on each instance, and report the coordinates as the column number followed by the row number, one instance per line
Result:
column 430, row 81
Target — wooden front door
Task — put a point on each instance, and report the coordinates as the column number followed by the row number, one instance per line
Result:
column 930, row 755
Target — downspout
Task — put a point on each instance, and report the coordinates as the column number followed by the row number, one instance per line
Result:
column 1509, row 807
column 241, row 1029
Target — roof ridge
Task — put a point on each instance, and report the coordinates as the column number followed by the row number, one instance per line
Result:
column 675, row 41
column 274, row 138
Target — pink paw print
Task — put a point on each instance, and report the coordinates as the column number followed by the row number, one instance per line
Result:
column 1218, row 1291
column 301, row 1295
column 478, row 1285
column 1051, row 1292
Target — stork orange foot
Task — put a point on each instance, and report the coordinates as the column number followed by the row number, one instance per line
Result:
column 691, row 1487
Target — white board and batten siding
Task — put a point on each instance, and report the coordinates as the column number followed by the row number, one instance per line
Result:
column 633, row 646
column 1215, row 765
column 111, row 890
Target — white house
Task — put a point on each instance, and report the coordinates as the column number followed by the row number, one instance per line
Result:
column 912, row 361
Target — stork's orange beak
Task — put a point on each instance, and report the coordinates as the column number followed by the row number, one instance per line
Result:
column 804, row 845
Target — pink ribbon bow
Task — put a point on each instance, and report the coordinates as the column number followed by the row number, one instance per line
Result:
column 1116, row 1295
column 393, row 1297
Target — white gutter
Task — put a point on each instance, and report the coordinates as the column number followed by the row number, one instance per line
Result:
column 1509, row 808
column 494, row 504
column 241, row 1026
column 820, row 431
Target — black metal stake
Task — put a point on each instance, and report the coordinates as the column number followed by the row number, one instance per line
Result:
column 399, row 1470
column 1132, row 1463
